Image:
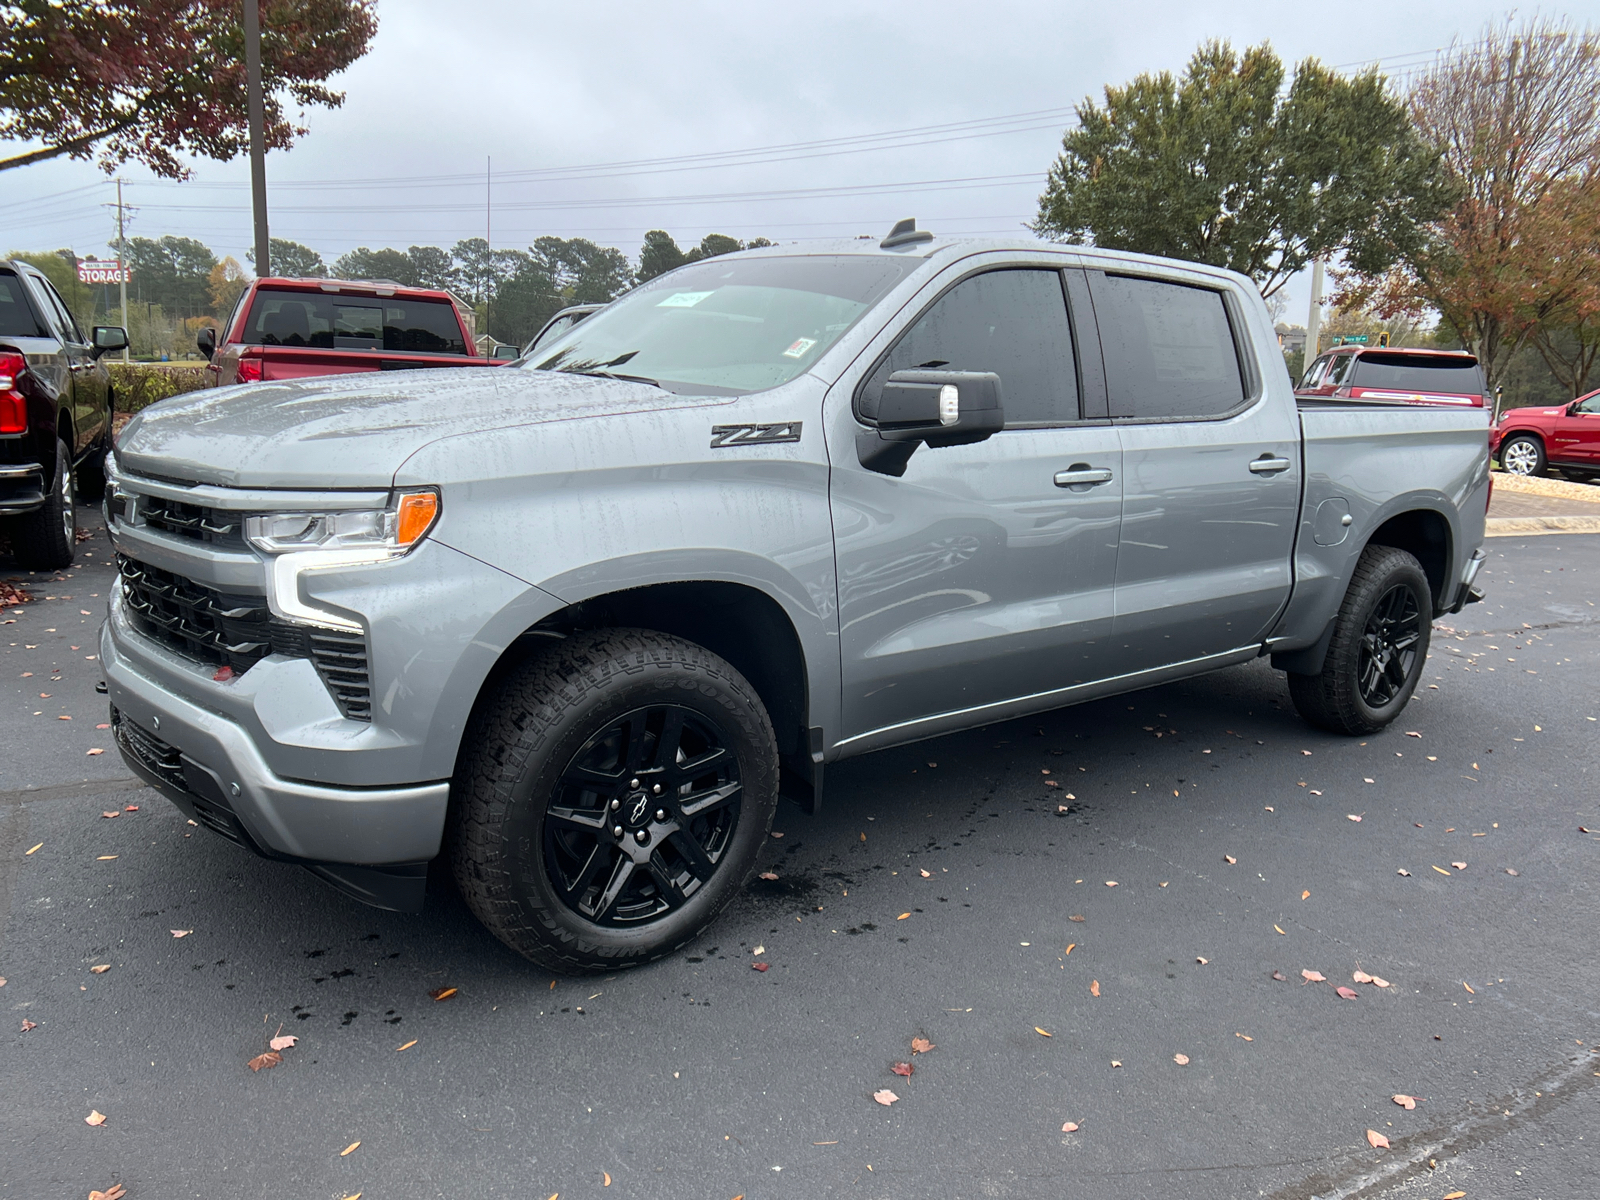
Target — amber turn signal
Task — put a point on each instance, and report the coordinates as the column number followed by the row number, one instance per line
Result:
column 417, row 513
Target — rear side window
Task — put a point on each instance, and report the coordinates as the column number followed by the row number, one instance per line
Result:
column 1419, row 373
column 16, row 317
column 1309, row 379
column 329, row 322
column 1169, row 349
column 1340, row 368
column 1013, row 323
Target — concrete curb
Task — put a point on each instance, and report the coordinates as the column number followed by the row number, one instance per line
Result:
column 1526, row 526
column 1533, row 485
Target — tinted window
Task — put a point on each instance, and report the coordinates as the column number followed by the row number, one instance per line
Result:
column 16, row 318
column 1169, row 349
column 727, row 325
column 1339, row 369
column 1013, row 323
column 330, row 322
column 74, row 333
column 1418, row 373
column 1309, row 379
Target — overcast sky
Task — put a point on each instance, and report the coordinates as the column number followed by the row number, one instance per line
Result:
column 542, row 87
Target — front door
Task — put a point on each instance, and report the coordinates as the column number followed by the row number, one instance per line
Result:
column 1576, row 437
column 1211, row 468
column 90, row 380
column 976, row 579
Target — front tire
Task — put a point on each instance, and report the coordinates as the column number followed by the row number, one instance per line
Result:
column 1380, row 642
column 47, row 538
column 1523, row 455
column 612, row 730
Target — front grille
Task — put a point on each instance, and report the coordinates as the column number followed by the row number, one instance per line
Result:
column 214, row 526
column 238, row 630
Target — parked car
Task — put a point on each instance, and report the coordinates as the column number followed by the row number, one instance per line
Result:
column 294, row 328
column 55, row 416
column 560, row 323
column 579, row 623
column 1528, row 441
column 1394, row 376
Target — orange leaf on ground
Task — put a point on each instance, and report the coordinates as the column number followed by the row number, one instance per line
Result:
column 282, row 1041
column 1042, row 1033
column 1361, row 977
column 1181, row 1059
column 100, row 970
column 1111, row 883
column 926, row 874
column 1245, row 1036
column 902, row 916
column 1376, row 982
column 1346, row 993
column 109, row 815
column 762, row 967
column 1376, row 1140
column 1070, row 1127
column 348, row 1149
column 27, row 1025
column 269, row 1059
column 1454, row 1195
column 884, row 1097
column 92, row 753
column 407, row 1046
column 177, row 933
column 443, row 993
column 1094, row 987
column 1077, row 918
column 769, row 876
column 1229, row 859
column 904, row 1069
column 1460, row 866
column 607, row 1179
column 1070, row 947
column 95, row 1117
column 1306, row 895
column 1280, row 976
column 1405, row 1102
column 1313, row 976
column 920, row 1045
column 115, row 1192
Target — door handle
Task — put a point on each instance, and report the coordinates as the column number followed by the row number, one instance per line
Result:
column 1082, row 473
column 1268, row 465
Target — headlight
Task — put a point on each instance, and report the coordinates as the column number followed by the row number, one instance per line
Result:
column 301, row 542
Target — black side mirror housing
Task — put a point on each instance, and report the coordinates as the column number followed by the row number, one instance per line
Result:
column 934, row 408
column 206, row 340
column 108, row 338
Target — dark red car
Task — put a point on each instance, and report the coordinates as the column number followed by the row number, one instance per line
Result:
column 292, row 328
column 1392, row 376
column 1527, row 441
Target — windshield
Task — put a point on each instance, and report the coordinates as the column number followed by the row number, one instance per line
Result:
column 353, row 322
column 726, row 326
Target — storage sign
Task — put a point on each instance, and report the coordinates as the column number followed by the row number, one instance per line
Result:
column 94, row 270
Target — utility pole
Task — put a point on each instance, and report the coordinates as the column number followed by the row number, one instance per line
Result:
column 122, row 262
column 1314, row 316
column 488, row 242
column 258, row 149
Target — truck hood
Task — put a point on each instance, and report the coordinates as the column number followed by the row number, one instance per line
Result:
column 1523, row 414
column 354, row 431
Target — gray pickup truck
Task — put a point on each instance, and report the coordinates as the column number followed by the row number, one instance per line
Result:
column 579, row 622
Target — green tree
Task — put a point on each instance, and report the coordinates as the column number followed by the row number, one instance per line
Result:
column 432, row 267
column 61, row 269
column 523, row 302
column 361, row 263
column 1224, row 166
column 173, row 272
column 153, row 80
column 582, row 271
column 712, row 245
column 292, row 260
column 658, row 255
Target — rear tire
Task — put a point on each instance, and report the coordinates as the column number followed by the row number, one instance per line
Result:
column 1380, row 642
column 614, row 729
column 1523, row 455
column 47, row 538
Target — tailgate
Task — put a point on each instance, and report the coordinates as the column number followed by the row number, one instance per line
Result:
column 280, row 362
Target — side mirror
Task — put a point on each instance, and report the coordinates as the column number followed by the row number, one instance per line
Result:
column 936, row 408
column 108, row 338
column 206, row 339
column 504, row 353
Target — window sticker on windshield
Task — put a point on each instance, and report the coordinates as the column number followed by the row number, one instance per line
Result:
column 683, row 299
column 801, row 345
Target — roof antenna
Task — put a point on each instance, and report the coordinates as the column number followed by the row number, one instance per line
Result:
column 905, row 233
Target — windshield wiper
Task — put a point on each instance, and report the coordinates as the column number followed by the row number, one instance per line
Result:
column 614, row 375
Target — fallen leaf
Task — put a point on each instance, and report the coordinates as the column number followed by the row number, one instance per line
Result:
column 25, row 853
column 1229, row 859
column 106, row 858
column 1511, row 870
column 1042, row 1032
column 223, row 674
column 1353, row 816
column 902, row 1069
column 1201, row 961
column 1111, row 883
column 1441, row 870
column 757, row 950
column 1460, row 866
column 1280, row 929
column 920, row 1045
column 1094, row 987
column 1069, row 918
column 1313, row 976
column 443, row 993
column 91, row 753
column 606, row 1178
column 1116, row 1062
column 181, row 932
column 282, row 1041
column 1280, row 976
column 926, row 874
column 1379, row 982
column 1454, row 1195
column 769, row 875
column 269, row 1059
column 95, row 1117
column 348, row 1149
column 1468, row 986
column 27, row 1025
column 407, row 1046
column 1069, row 949
column 1376, row 1140
column 100, row 970
column 117, row 813
column 1405, row 1102
column 1412, row 733
column 902, row 916
column 63, row 718
column 1245, row 1036
column 1403, row 871
column 1070, row 1127
column 776, row 834
column 760, row 966
column 884, row 1097
column 1346, row 993
column 1181, row 1059
column 1361, row 977
column 115, row 1192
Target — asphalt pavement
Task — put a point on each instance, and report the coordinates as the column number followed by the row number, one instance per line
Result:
column 1062, row 906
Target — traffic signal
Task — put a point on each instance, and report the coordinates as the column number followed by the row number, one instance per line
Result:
column 1383, row 338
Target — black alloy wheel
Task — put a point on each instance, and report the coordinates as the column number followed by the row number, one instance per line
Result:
column 643, row 816
column 1389, row 646
column 612, row 794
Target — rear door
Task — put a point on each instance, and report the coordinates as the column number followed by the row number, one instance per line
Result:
column 1211, row 469
column 975, row 579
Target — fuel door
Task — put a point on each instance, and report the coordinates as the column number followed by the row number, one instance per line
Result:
column 1332, row 523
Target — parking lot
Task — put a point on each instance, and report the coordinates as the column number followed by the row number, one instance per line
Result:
column 1086, row 914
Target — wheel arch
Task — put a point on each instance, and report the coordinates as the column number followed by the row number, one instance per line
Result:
column 1511, row 434
column 1425, row 534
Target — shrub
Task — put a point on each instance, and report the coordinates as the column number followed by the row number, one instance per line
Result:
column 138, row 385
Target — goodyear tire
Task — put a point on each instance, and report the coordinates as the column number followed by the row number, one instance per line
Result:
column 612, row 796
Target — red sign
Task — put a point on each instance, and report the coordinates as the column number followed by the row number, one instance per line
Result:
column 94, row 270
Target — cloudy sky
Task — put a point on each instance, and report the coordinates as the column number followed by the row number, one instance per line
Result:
column 607, row 118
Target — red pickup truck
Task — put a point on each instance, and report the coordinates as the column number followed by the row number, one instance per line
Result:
column 1395, row 376
column 292, row 328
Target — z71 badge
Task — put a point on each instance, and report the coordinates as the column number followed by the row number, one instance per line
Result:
column 754, row 435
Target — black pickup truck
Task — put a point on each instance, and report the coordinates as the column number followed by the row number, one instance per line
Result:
column 55, row 416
